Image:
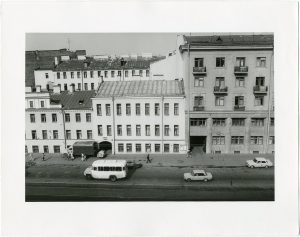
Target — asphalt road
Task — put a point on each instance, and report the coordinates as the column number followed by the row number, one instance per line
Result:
column 67, row 183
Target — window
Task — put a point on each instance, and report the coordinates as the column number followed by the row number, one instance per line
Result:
column 55, row 134
column 167, row 130
column 119, row 73
column 238, row 122
column 119, row 130
column 84, row 74
column 256, row 140
column 176, row 109
column 220, row 82
column 138, row 109
column 138, row 130
column 239, row 101
column 42, row 104
column 271, row 140
column 120, row 147
column 138, row 147
column 88, row 117
column 198, row 62
column 86, row 86
column 56, row 149
column 108, row 130
column 54, row 118
column 112, row 73
column 157, row 130
column 99, row 111
column 240, row 81
column 32, row 118
column 255, row 152
column 220, row 100
column 65, row 75
column 259, row 101
column 147, row 109
column 218, row 140
column 72, row 74
column 156, row 109
column 43, row 118
column 58, row 75
column 260, row 81
column 45, row 134
column 133, row 72
column 129, row 147
column 148, row 147
column 68, row 134
column 237, row 140
column 78, row 118
column 92, row 86
column 65, row 87
column 147, row 129
column 198, row 121
column 176, row 130
column 261, row 61
column 236, row 152
column 166, row 109
column 31, row 104
column 78, row 75
column 89, row 134
column 46, row 75
column 91, row 74
column 219, row 121
column 99, row 73
column 128, row 109
column 176, row 148
column 257, row 122
column 119, row 109
column 100, row 131
column 241, row 62
column 141, row 73
column 107, row 108
column 167, row 148
column 35, row 149
column 78, row 134
column 220, row 62
column 79, row 86
column 46, row 149
column 128, row 130
column 147, row 73
column 199, row 82
column 198, row 101
column 157, row 147
column 126, row 73
column 272, row 122
column 105, row 74
column 67, row 118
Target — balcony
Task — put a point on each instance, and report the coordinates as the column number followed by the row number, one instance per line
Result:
column 199, row 108
column 260, row 89
column 239, row 108
column 220, row 90
column 199, row 70
column 241, row 70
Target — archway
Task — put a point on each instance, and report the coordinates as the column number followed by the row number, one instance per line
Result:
column 106, row 146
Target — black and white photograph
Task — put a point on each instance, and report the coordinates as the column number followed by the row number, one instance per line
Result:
column 193, row 119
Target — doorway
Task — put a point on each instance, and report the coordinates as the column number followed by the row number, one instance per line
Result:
column 198, row 144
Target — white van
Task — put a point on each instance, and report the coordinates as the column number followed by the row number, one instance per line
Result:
column 107, row 169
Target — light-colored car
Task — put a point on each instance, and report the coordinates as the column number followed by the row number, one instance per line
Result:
column 101, row 154
column 259, row 162
column 196, row 175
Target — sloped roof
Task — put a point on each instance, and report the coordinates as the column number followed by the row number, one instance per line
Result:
column 141, row 88
column 74, row 100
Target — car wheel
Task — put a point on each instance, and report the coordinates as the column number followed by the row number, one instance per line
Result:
column 266, row 167
column 189, row 180
column 88, row 176
column 205, row 180
column 113, row 178
column 251, row 166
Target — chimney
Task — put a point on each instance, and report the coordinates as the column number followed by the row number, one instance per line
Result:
column 72, row 88
column 38, row 89
column 28, row 89
column 56, row 89
column 55, row 61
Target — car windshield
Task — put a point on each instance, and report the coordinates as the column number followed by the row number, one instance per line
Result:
column 255, row 160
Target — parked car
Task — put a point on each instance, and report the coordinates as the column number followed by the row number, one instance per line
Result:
column 197, row 175
column 259, row 162
column 133, row 165
column 101, row 154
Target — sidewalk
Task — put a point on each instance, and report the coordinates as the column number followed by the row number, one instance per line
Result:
column 169, row 160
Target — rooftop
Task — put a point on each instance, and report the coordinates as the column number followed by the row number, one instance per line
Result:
column 74, row 100
column 141, row 88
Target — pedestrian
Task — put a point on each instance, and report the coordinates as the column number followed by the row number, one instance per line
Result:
column 190, row 154
column 148, row 159
column 82, row 157
column 72, row 157
column 43, row 158
column 187, row 154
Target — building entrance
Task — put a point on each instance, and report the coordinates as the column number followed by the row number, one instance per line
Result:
column 198, row 143
column 106, row 146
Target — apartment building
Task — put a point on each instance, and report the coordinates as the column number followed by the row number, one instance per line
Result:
column 230, row 92
column 56, row 120
column 140, row 116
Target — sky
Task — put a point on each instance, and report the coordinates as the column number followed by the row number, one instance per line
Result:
column 104, row 43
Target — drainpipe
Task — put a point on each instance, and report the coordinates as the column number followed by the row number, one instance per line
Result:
column 64, row 126
column 162, row 125
column 189, row 99
column 113, row 125
column 81, row 72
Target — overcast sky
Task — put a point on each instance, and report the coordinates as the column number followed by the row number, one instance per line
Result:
column 105, row 43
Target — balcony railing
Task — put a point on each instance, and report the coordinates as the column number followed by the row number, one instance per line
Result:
column 199, row 70
column 220, row 89
column 260, row 89
column 199, row 108
column 239, row 108
column 241, row 69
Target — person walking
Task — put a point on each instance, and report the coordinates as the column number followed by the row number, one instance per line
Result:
column 43, row 158
column 148, row 159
